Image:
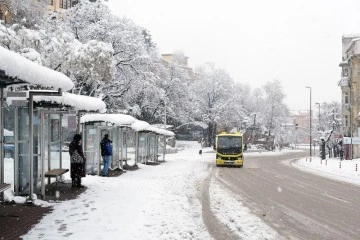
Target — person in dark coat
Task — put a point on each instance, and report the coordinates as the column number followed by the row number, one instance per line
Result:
column 106, row 153
column 77, row 161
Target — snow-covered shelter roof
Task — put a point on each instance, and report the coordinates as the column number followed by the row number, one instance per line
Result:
column 22, row 70
column 125, row 120
column 78, row 102
column 117, row 119
column 144, row 126
column 139, row 125
column 160, row 131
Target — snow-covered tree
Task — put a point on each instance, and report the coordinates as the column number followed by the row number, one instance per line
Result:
column 274, row 110
column 211, row 98
column 28, row 13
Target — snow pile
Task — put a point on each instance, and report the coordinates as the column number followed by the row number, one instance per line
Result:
column 117, row 119
column 332, row 168
column 16, row 66
column 230, row 210
column 8, row 133
column 79, row 102
column 140, row 125
column 160, row 131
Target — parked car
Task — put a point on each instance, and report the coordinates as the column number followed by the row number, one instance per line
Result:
column 9, row 146
column 171, row 141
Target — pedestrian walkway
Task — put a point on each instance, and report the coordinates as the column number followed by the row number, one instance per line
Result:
column 17, row 219
column 334, row 168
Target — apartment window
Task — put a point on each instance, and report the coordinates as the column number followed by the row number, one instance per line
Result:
column 65, row 4
column 74, row 2
column 346, row 121
column 346, row 98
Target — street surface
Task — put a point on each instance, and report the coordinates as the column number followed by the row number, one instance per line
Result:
column 298, row 205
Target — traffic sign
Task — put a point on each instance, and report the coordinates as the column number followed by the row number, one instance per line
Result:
column 355, row 140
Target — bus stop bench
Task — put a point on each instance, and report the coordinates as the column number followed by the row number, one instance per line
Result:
column 124, row 160
column 56, row 173
column 4, row 187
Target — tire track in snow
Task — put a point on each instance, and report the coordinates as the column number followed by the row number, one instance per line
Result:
column 216, row 229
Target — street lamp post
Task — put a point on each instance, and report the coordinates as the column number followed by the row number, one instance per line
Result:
column 318, row 104
column 351, row 114
column 310, row 121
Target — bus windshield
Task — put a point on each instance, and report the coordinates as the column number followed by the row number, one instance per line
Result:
column 226, row 142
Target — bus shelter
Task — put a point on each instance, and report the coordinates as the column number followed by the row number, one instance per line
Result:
column 148, row 139
column 17, row 70
column 159, row 139
column 141, row 141
column 118, row 126
column 54, row 123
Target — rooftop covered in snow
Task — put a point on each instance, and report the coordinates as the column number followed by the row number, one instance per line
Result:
column 78, row 102
column 15, row 69
column 117, row 119
column 160, row 131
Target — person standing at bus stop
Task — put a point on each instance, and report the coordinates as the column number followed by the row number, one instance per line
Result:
column 106, row 153
column 77, row 161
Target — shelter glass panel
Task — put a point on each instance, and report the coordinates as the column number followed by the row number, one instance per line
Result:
column 152, row 144
column 162, row 146
column 91, row 148
column 130, row 147
column 9, row 145
column 23, row 170
column 142, row 147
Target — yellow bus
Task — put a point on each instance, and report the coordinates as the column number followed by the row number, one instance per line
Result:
column 229, row 149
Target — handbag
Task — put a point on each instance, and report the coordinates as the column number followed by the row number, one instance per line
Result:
column 76, row 157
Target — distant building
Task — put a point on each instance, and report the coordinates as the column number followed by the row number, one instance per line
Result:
column 5, row 13
column 58, row 5
column 350, row 88
column 54, row 5
column 182, row 61
column 300, row 123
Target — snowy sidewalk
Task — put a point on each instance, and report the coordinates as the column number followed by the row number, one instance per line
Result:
column 154, row 202
column 345, row 170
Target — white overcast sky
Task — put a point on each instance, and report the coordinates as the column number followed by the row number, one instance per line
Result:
column 296, row 42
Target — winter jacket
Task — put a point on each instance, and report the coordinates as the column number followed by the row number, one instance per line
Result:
column 106, row 149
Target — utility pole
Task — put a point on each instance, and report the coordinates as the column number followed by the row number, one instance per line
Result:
column 319, row 116
column 253, row 128
column 310, row 121
column 351, row 130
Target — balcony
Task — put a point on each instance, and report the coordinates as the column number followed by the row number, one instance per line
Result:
column 344, row 82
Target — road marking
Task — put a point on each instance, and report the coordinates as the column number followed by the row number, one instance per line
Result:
column 336, row 198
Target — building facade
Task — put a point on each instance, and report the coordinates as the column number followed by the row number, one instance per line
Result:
column 300, row 123
column 183, row 62
column 58, row 5
column 54, row 5
column 350, row 87
column 5, row 13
